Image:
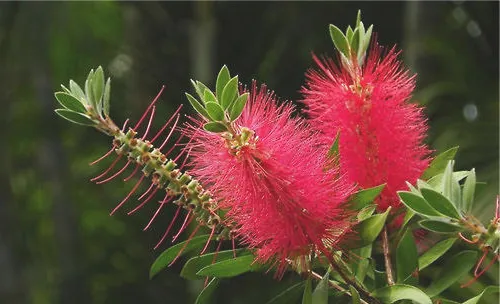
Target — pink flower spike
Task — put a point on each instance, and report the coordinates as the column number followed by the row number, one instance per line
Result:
column 381, row 133
column 269, row 174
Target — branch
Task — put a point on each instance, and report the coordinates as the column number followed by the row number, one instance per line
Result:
column 387, row 258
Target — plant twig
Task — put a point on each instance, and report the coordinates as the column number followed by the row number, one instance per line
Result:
column 387, row 257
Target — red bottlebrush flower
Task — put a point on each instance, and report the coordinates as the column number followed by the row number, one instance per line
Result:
column 381, row 133
column 269, row 174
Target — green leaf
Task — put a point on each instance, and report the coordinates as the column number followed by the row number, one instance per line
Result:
column 195, row 264
column 222, row 80
column 65, row 89
column 228, row 268
column 199, row 88
column 438, row 164
column 436, row 182
column 368, row 230
column 364, row 197
column 209, row 96
column 197, row 106
column 439, row 226
column 417, row 204
column 394, row 293
column 440, row 203
column 215, row 111
column 307, row 295
column 406, row 258
column 339, row 40
column 408, row 216
column 206, row 293
column 355, row 42
column 98, row 87
column 238, row 106
column 365, row 42
column 229, row 93
column 364, row 262
column 358, row 18
column 334, row 149
column 487, row 290
column 75, row 117
column 167, row 256
column 356, row 299
column 453, row 270
column 468, row 191
column 77, row 91
column 215, row 127
column 366, row 212
column 88, row 90
column 106, row 97
column 320, row 294
column 70, row 102
column 421, row 184
column 434, row 253
column 349, row 33
column 290, row 295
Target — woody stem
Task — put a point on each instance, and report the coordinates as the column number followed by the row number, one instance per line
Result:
column 387, row 257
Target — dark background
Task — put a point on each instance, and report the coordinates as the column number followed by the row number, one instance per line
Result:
column 57, row 242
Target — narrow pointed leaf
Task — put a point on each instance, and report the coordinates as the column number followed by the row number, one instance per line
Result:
column 417, row 204
column 75, row 117
column 356, row 299
column 238, row 106
column 355, row 42
column 448, row 180
column 365, row 42
column 222, row 80
column 98, row 87
column 452, row 271
column 206, row 293
column 368, row 230
column 65, row 89
column 289, row 295
column 339, row 40
column 468, row 191
column 408, row 216
column 70, row 102
column 229, row 93
column 228, row 268
column 436, row 182
column 215, row 127
column 77, row 91
column 167, row 256
column 366, row 212
column 349, row 33
column 215, row 111
column 434, row 253
column 358, row 18
column 307, row 295
column 440, row 226
column 440, row 203
column 209, row 96
column 320, row 294
column 364, row 197
column 364, row 262
column 487, row 290
column 196, row 263
column 407, row 259
column 438, row 164
column 394, row 293
column 197, row 106
column 106, row 97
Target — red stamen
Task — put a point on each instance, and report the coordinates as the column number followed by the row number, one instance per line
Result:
column 149, row 123
column 103, row 157
column 169, row 227
column 208, row 241
column 185, row 245
column 114, row 175
column 480, row 262
column 166, row 124
column 186, row 222
column 185, row 160
column 466, row 239
column 144, row 202
column 170, row 133
column 113, row 164
column 125, row 125
column 174, row 145
column 128, row 195
column 148, row 109
column 132, row 174
column 146, row 192
column 162, row 203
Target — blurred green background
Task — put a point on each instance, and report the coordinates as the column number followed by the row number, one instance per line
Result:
column 57, row 242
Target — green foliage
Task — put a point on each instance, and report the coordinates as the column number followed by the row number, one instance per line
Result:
column 438, row 164
column 228, row 268
column 195, row 264
column 391, row 294
column 435, row 252
column 320, row 294
column 406, row 259
column 205, row 295
column 290, row 295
